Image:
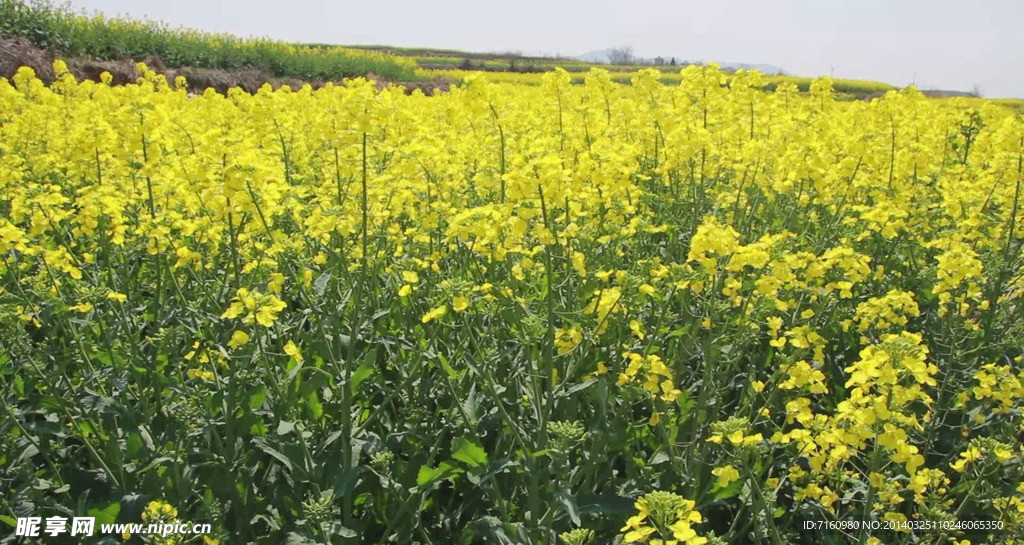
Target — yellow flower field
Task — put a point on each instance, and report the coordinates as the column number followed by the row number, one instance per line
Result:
column 596, row 313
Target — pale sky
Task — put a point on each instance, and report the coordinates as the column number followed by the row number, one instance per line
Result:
column 936, row 44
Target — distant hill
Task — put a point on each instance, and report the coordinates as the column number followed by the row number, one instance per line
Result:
column 602, row 56
column 768, row 69
column 599, row 56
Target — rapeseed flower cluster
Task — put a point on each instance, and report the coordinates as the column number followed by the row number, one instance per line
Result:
column 656, row 376
column 663, row 518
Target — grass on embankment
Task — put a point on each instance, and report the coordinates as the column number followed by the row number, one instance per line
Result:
column 74, row 34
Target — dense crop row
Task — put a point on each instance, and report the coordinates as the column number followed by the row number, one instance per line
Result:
column 694, row 313
column 97, row 37
column 625, row 75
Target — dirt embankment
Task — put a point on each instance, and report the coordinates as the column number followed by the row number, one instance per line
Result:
column 17, row 52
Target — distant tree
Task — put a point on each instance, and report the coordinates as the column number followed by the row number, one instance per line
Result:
column 673, row 61
column 621, row 55
column 975, row 90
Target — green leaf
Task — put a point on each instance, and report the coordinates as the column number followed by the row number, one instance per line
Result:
column 261, row 443
column 320, row 284
column 133, row 445
column 85, row 428
column 8, row 521
column 578, row 388
column 293, row 369
column 314, row 409
column 452, row 373
column 107, row 515
column 494, row 529
column 345, row 481
column 468, row 452
column 429, row 474
column 332, row 438
column 609, row 505
column 155, row 463
column 147, row 438
column 343, row 531
column 257, row 398
column 660, row 458
column 362, row 373
column 298, row 539
column 285, row 427
column 733, row 489
column 569, row 502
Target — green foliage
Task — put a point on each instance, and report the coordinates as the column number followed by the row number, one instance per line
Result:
column 78, row 35
column 851, row 86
